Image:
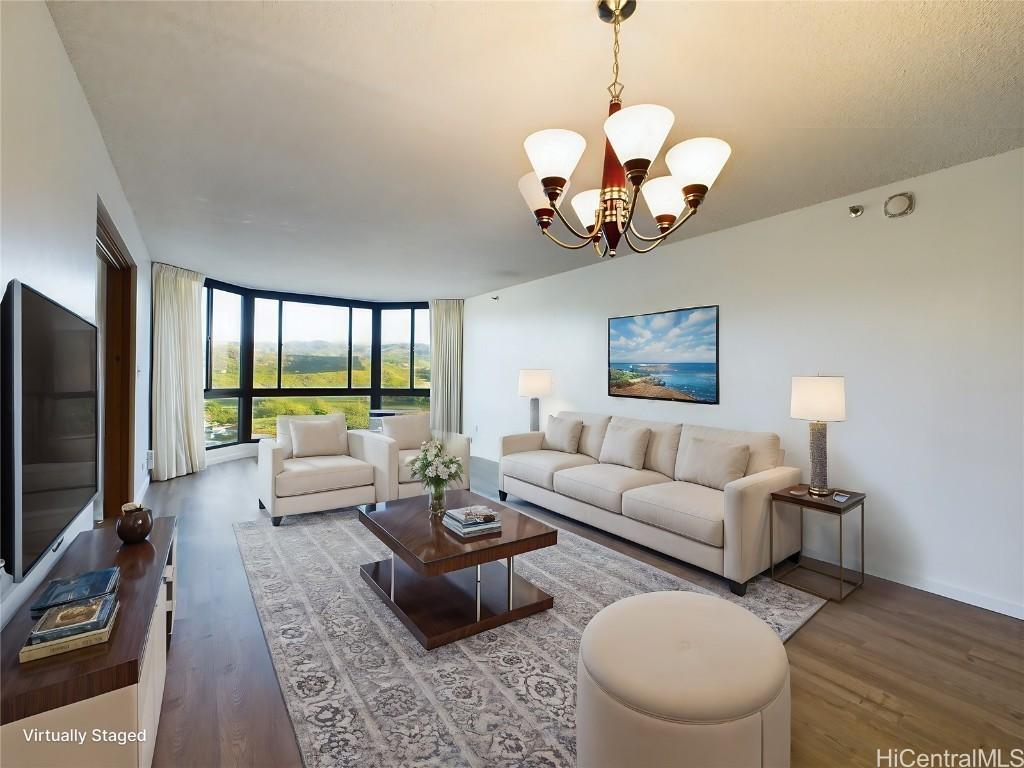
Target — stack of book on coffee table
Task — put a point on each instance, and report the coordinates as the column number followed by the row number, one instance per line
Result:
column 472, row 521
column 73, row 613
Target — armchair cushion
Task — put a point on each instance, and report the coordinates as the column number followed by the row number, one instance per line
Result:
column 317, row 438
column 711, row 463
column 562, row 434
column 690, row 510
column 284, row 430
column 539, row 467
column 603, row 484
column 315, row 474
column 409, row 431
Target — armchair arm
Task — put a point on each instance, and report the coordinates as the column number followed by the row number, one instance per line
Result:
column 523, row 441
column 457, row 445
column 747, row 517
column 269, row 464
column 382, row 453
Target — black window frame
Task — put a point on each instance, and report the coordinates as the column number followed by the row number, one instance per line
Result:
column 245, row 392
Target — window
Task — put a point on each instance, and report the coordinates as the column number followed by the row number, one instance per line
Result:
column 221, row 421
column 266, row 336
column 362, row 348
column 421, row 353
column 270, row 354
column 225, row 339
column 395, row 333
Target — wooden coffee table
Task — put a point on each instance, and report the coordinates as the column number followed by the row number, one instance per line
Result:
column 444, row 587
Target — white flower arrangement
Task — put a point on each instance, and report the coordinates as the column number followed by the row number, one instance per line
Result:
column 435, row 468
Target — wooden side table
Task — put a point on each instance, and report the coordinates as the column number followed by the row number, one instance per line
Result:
column 828, row 505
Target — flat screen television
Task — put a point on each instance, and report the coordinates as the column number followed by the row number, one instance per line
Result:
column 665, row 355
column 50, row 429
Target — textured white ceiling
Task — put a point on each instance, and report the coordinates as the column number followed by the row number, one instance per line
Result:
column 372, row 150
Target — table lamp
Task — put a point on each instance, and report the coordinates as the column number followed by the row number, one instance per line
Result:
column 819, row 400
column 534, row 383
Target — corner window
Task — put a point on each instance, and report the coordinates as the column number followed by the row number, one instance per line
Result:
column 270, row 354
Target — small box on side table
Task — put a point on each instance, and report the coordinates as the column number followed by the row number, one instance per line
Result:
column 829, row 505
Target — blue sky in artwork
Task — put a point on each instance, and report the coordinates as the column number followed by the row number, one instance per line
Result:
column 682, row 336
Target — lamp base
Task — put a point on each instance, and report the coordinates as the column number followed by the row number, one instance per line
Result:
column 815, row 491
column 534, row 414
column 819, row 459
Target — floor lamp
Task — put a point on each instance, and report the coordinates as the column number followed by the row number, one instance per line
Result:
column 534, row 383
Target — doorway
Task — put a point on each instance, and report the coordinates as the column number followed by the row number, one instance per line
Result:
column 118, row 360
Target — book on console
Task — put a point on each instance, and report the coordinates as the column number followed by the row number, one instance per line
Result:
column 42, row 650
column 73, row 619
column 80, row 587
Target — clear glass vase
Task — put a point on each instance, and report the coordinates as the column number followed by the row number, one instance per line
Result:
column 437, row 508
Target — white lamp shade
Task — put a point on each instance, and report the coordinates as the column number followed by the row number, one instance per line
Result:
column 664, row 196
column 818, row 398
column 638, row 132
column 698, row 161
column 586, row 204
column 534, row 382
column 533, row 192
column 554, row 152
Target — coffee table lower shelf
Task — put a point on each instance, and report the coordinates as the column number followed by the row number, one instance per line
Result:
column 442, row 609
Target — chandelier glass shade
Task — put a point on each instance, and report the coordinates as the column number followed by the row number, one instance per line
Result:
column 634, row 136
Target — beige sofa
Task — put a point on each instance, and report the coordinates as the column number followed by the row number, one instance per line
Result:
column 354, row 470
column 724, row 531
column 402, row 437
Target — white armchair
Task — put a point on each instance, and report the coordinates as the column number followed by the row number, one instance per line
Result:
column 316, row 464
column 403, row 436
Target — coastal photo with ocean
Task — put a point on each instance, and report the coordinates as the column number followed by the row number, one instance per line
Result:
column 665, row 355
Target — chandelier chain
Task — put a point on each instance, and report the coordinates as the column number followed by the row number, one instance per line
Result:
column 615, row 89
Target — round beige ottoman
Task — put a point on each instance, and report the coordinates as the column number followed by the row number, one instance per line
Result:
column 674, row 680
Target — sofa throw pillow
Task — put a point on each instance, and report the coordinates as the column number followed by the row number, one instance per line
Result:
column 626, row 446
column 409, row 431
column 562, row 434
column 711, row 463
column 316, row 437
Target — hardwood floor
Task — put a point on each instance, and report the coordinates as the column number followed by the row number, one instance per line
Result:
column 891, row 667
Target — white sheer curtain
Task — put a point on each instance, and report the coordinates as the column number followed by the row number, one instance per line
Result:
column 446, row 364
column 178, row 369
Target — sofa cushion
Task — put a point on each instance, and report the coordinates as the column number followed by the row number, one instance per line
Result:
column 711, row 463
column 603, row 484
column 765, row 450
column 663, row 445
column 562, row 434
column 409, row 431
column 693, row 511
column 405, row 460
column 592, row 434
column 539, row 467
column 322, row 473
column 626, row 446
column 284, row 430
column 315, row 438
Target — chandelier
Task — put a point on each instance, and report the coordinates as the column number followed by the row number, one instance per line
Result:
column 634, row 136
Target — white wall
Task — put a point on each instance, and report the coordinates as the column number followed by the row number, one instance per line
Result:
column 55, row 166
column 922, row 315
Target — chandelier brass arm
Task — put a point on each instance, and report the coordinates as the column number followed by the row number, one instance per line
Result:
column 660, row 237
column 571, row 228
column 569, row 246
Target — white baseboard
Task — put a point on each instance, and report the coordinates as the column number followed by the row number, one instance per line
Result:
column 231, row 453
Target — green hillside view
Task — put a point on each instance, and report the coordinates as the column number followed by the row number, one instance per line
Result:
column 309, row 365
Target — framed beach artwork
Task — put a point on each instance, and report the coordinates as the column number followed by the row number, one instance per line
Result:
column 665, row 355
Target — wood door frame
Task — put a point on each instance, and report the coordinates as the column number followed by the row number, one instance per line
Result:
column 119, row 365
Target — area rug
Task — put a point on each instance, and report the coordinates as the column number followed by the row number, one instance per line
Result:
column 360, row 689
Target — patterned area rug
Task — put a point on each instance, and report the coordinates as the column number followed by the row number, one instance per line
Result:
column 361, row 690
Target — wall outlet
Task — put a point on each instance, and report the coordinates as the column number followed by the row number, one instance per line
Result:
column 150, row 460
